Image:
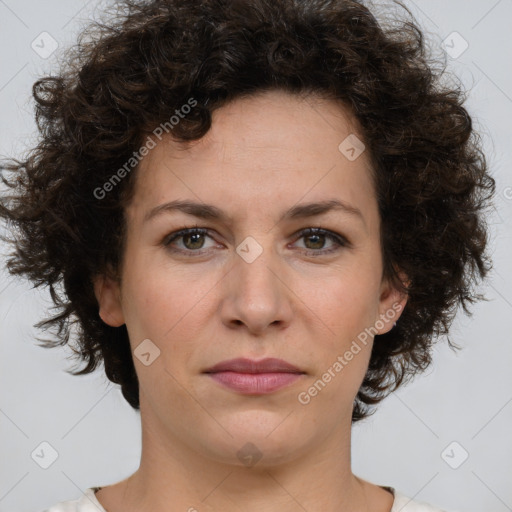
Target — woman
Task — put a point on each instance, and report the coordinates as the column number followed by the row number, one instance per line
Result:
column 262, row 213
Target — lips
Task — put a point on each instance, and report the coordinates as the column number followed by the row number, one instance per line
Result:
column 242, row 365
column 248, row 377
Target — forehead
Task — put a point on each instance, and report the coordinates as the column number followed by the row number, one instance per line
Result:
column 260, row 152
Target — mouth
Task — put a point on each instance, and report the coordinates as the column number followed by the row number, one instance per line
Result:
column 251, row 377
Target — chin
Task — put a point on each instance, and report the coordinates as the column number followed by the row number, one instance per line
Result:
column 254, row 452
column 267, row 440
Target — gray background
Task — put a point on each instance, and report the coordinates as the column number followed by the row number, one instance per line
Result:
column 464, row 398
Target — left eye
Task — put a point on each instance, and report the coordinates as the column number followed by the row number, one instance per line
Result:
column 192, row 240
column 319, row 236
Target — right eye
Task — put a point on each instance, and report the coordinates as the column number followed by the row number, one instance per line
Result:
column 192, row 240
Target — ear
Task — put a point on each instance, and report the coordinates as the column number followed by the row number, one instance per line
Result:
column 108, row 295
column 391, row 304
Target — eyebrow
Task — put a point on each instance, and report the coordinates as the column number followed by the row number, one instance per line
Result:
column 211, row 212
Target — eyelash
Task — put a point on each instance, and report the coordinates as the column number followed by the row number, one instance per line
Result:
column 339, row 240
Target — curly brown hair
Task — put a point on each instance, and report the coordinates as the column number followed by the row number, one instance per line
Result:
column 126, row 76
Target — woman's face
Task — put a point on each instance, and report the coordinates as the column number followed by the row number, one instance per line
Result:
column 253, row 286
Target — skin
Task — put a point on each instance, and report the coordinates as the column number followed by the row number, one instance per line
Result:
column 262, row 156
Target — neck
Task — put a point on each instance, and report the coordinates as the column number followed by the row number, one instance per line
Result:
column 172, row 472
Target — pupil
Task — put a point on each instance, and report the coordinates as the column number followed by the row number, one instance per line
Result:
column 319, row 240
column 187, row 237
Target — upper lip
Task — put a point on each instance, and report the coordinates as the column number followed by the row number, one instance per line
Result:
column 243, row 365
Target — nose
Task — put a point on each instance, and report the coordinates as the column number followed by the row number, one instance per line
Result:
column 256, row 294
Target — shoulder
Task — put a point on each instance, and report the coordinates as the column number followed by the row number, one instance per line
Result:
column 86, row 503
column 89, row 503
column 403, row 503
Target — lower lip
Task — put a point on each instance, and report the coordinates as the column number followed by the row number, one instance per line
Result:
column 255, row 383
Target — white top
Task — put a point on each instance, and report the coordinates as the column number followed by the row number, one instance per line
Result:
column 89, row 503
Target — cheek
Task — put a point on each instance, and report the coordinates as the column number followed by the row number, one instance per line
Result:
column 349, row 310
column 348, row 302
column 153, row 295
column 167, row 308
